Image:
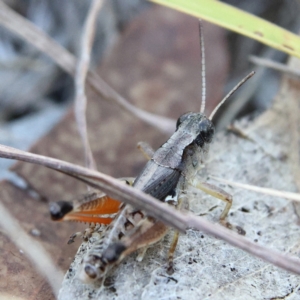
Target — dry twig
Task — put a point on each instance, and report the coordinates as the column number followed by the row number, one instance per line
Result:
column 162, row 211
column 268, row 63
column 80, row 78
column 266, row 191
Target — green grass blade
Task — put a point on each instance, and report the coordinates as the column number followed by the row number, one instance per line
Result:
column 239, row 21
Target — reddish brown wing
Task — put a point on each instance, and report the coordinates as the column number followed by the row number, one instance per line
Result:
column 88, row 210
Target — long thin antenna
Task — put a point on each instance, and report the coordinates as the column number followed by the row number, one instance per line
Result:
column 203, row 100
column 230, row 93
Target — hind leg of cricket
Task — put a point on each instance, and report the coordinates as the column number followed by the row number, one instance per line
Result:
column 148, row 232
column 217, row 193
column 170, row 269
column 172, row 248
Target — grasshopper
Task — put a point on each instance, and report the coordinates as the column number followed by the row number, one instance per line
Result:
column 167, row 174
column 169, row 171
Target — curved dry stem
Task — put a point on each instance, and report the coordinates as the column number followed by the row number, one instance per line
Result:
column 80, row 78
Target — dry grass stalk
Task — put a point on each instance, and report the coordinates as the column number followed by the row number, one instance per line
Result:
column 162, row 211
column 80, row 79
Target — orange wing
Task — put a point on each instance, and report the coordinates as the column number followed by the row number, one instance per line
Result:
column 88, row 210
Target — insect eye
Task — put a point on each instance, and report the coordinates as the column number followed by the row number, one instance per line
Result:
column 206, row 132
column 182, row 119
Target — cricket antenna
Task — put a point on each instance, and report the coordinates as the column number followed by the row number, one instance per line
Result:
column 203, row 100
column 230, row 93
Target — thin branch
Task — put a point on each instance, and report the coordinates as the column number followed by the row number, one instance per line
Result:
column 162, row 211
column 266, row 191
column 32, row 249
column 243, row 96
column 80, row 78
column 268, row 63
column 36, row 37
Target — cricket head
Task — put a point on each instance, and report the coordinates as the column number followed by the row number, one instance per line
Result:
column 95, row 266
column 198, row 125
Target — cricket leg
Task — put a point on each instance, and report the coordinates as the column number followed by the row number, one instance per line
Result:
column 74, row 236
column 86, row 234
column 170, row 269
column 217, row 193
column 148, row 232
column 222, row 195
column 150, row 237
column 146, row 150
column 141, row 254
column 172, row 248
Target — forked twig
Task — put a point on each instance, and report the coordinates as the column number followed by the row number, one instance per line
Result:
column 32, row 249
column 80, row 78
column 162, row 211
column 33, row 35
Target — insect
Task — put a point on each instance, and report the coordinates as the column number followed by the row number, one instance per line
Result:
column 167, row 174
column 171, row 168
